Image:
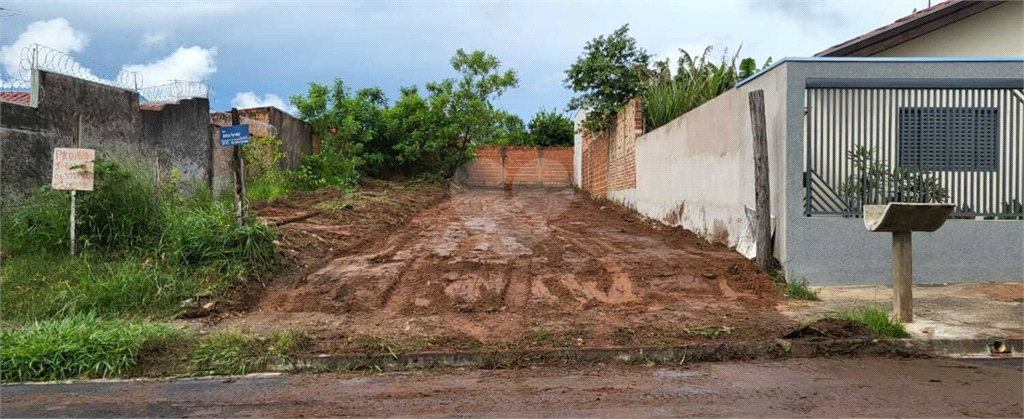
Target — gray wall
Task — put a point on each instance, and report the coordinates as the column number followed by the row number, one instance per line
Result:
column 296, row 137
column 112, row 123
column 836, row 250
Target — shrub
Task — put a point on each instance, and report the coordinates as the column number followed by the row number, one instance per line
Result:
column 328, row 168
column 78, row 346
column 262, row 155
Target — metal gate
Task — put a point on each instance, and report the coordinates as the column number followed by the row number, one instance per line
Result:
column 873, row 146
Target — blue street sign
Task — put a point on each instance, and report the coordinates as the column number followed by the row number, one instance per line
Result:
column 234, row 135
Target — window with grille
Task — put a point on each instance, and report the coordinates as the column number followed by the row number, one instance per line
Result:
column 949, row 139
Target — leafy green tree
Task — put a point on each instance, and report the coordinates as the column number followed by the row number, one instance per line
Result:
column 551, row 129
column 609, row 73
column 510, row 130
column 458, row 114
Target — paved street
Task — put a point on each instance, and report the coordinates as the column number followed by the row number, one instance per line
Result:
column 873, row 387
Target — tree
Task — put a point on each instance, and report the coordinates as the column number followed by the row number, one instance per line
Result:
column 607, row 75
column 551, row 129
column 458, row 113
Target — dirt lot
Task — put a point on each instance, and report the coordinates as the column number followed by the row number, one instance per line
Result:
column 500, row 268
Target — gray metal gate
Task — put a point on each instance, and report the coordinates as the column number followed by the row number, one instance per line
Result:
column 868, row 145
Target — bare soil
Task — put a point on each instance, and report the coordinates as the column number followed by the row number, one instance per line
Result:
column 401, row 268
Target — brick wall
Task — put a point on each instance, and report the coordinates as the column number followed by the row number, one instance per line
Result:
column 609, row 161
column 498, row 166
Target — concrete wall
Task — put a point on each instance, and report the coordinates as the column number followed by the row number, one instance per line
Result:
column 577, row 148
column 836, row 250
column 111, row 122
column 995, row 32
column 698, row 170
column 499, row 166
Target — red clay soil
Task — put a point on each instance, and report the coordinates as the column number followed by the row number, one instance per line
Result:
column 526, row 267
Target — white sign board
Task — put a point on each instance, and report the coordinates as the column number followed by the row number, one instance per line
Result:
column 72, row 169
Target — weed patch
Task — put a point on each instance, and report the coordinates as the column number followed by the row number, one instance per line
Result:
column 878, row 321
column 798, row 289
column 234, row 352
column 77, row 346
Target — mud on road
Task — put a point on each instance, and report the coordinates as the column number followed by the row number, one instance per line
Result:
column 528, row 267
column 819, row 387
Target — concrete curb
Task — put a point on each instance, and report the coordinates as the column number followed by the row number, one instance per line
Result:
column 779, row 348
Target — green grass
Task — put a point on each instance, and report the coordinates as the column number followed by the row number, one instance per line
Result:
column 38, row 287
column 234, row 352
column 878, row 321
column 138, row 256
column 77, row 346
column 798, row 289
column 270, row 186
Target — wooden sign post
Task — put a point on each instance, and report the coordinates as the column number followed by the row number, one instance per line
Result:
column 236, row 136
column 73, row 170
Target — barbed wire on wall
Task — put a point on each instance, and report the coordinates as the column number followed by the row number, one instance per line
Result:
column 256, row 127
column 41, row 57
column 175, row 91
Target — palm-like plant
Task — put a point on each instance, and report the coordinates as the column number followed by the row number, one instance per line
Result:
column 698, row 79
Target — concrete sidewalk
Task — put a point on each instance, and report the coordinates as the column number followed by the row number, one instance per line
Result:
column 957, row 311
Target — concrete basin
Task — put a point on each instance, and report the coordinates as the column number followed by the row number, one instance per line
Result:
column 901, row 219
column 906, row 216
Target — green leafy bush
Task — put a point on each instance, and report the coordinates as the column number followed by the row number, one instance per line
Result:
column 269, row 186
column 121, row 211
column 328, row 168
column 873, row 182
column 77, row 346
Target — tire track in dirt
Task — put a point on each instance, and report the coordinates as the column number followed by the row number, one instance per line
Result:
column 493, row 265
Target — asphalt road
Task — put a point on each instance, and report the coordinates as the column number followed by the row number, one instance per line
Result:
column 874, row 387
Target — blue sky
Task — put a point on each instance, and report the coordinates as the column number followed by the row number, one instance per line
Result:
column 254, row 52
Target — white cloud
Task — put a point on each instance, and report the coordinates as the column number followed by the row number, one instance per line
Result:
column 189, row 64
column 154, row 39
column 252, row 100
column 55, row 33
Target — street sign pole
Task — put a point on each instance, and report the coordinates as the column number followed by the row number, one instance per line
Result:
column 239, row 173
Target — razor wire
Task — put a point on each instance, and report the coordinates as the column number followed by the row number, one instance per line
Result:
column 175, row 91
column 41, row 57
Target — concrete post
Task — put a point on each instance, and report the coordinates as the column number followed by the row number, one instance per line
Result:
column 902, row 276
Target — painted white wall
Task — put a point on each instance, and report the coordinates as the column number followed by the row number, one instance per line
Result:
column 996, row 32
column 577, row 148
column 698, row 170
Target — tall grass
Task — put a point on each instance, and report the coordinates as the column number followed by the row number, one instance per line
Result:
column 140, row 255
column 878, row 321
column 235, row 352
column 78, row 346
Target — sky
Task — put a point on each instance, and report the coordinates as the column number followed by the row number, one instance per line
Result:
column 259, row 53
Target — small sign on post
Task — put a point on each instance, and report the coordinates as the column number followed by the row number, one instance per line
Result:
column 236, row 136
column 73, row 171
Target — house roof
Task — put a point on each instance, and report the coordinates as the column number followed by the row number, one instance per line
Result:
column 907, row 27
column 20, row 98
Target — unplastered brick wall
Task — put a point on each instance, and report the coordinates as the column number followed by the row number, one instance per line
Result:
column 499, row 166
column 609, row 161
